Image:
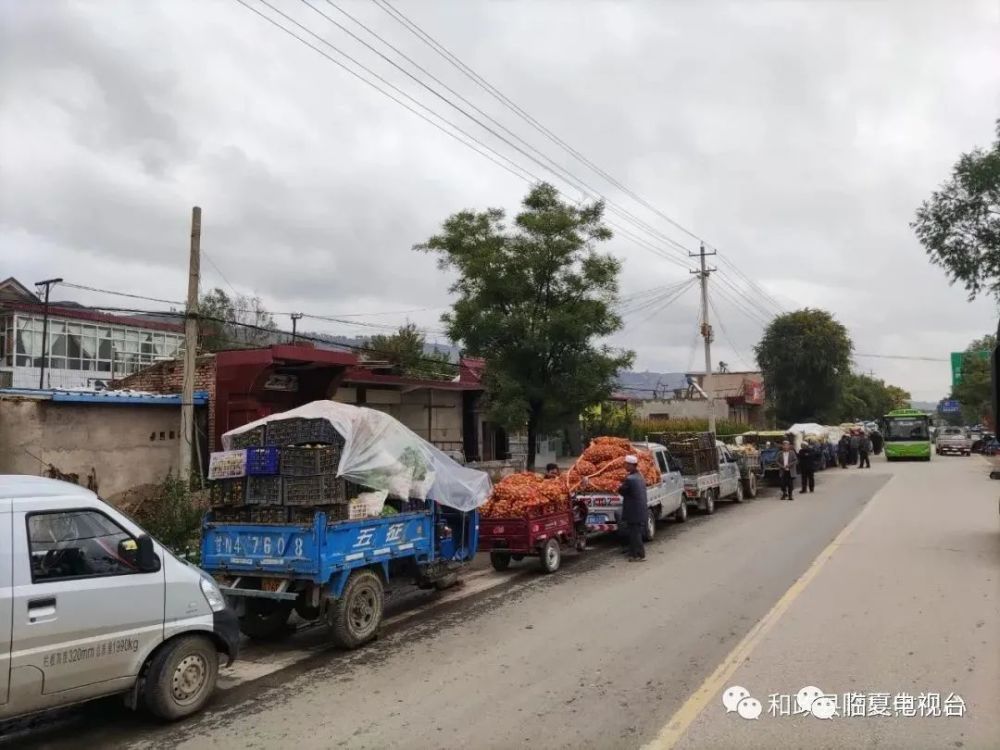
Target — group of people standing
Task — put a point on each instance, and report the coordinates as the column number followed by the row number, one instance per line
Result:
column 857, row 447
column 853, row 448
column 803, row 464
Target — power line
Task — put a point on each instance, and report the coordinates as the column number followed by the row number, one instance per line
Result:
column 478, row 79
column 657, row 299
column 211, row 262
column 902, row 357
column 725, row 333
column 122, row 294
column 661, row 306
column 401, row 18
column 511, row 167
column 551, row 166
column 750, row 313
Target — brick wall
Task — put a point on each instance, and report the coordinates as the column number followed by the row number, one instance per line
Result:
column 168, row 377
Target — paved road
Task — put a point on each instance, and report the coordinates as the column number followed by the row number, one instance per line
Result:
column 607, row 654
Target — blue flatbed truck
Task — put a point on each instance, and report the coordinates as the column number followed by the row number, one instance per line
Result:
column 334, row 571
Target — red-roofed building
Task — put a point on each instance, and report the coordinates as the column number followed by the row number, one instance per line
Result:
column 85, row 347
column 246, row 384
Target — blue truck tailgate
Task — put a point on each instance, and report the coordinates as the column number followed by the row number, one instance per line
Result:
column 314, row 551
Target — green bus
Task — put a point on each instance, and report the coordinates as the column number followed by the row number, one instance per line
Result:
column 907, row 435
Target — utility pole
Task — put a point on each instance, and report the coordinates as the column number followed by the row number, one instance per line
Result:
column 706, row 332
column 295, row 319
column 190, row 347
column 48, row 284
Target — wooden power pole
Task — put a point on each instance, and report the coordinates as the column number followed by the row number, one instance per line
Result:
column 188, row 443
column 706, row 332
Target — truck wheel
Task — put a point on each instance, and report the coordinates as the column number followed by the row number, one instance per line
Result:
column 355, row 617
column 709, row 507
column 181, row 677
column 681, row 514
column 551, row 556
column 738, row 497
column 751, row 488
column 650, row 529
column 500, row 561
column 265, row 619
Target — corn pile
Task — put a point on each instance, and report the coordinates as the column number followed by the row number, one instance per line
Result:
column 526, row 495
column 603, row 464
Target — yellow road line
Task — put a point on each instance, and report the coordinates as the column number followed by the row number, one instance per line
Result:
column 716, row 682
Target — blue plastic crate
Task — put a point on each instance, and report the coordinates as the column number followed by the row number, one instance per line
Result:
column 263, row 461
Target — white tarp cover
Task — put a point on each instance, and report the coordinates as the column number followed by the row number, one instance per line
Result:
column 381, row 453
column 802, row 429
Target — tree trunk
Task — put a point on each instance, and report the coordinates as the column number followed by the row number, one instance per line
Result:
column 532, row 436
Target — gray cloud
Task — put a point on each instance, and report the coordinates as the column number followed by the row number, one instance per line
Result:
column 796, row 137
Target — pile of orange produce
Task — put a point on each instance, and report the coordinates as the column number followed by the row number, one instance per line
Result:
column 526, row 495
column 603, row 465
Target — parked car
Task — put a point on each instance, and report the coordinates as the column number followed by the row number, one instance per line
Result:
column 91, row 605
column 665, row 500
column 952, row 440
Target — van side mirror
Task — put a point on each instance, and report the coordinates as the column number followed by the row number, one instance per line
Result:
column 145, row 557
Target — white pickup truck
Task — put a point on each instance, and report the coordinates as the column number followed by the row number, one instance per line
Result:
column 704, row 490
column 953, row 440
column 604, row 509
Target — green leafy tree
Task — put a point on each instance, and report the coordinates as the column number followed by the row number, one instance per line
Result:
column 864, row 397
column 805, row 356
column 237, row 322
column 534, row 300
column 974, row 392
column 959, row 225
column 406, row 350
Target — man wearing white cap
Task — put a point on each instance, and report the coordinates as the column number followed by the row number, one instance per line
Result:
column 634, row 508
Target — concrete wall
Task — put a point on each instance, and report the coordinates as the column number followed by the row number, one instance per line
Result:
column 118, row 446
column 168, row 377
column 411, row 408
column 680, row 409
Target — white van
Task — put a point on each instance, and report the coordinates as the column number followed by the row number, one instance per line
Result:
column 91, row 606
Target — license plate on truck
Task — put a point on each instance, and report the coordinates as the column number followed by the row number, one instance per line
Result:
column 596, row 518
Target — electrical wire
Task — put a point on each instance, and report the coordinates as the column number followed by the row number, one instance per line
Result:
column 660, row 307
column 451, row 58
column 121, row 294
column 656, row 299
column 511, row 166
column 553, row 167
column 401, row 18
column 206, row 256
column 725, row 333
column 735, row 301
column 753, row 284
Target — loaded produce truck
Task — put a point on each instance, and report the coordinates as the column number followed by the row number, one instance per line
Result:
column 710, row 472
column 316, row 509
column 529, row 516
column 598, row 473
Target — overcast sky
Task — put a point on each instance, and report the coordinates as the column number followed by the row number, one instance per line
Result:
column 797, row 137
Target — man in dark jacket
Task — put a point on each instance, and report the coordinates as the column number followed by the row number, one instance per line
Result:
column 877, row 442
column 635, row 508
column 843, row 451
column 808, row 458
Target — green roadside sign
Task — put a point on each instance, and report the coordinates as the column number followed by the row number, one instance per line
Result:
column 957, row 358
